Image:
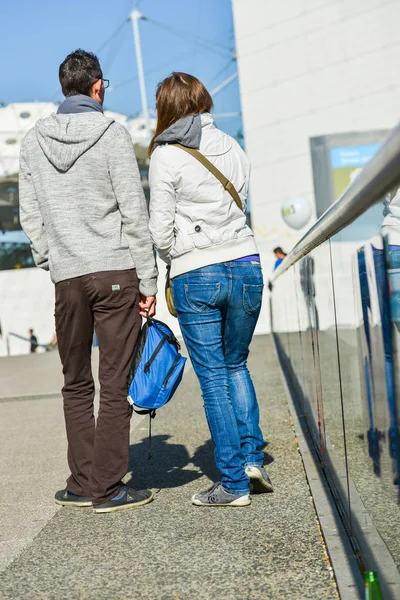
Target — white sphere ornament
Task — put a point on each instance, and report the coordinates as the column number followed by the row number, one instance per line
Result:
column 296, row 212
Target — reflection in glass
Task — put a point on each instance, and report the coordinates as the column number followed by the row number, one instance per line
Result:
column 340, row 349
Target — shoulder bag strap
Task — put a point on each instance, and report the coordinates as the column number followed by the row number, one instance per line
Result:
column 228, row 186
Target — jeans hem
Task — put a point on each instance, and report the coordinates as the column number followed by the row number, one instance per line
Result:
column 236, row 492
column 253, row 464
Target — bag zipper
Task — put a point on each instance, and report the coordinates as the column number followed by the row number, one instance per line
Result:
column 171, row 338
column 171, row 370
column 147, row 366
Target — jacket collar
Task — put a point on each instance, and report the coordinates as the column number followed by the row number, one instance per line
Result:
column 206, row 120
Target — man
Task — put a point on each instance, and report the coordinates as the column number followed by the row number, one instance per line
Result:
column 280, row 255
column 83, row 208
column 33, row 341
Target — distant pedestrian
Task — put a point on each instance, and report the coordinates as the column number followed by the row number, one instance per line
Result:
column 217, row 282
column 82, row 207
column 280, row 255
column 34, row 342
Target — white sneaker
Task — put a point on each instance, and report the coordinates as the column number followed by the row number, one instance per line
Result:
column 217, row 496
column 260, row 483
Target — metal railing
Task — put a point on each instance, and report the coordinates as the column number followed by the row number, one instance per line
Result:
column 379, row 176
column 47, row 347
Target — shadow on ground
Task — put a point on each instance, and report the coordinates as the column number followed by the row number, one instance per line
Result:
column 171, row 464
column 203, row 459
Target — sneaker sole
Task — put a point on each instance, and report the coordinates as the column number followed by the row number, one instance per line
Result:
column 74, row 504
column 259, row 485
column 124, row 506
column 242, row 501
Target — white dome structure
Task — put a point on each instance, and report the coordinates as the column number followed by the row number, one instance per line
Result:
column 17, row 118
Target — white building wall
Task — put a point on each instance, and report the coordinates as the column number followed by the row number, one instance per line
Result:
column 27, row 301
column 309, row 68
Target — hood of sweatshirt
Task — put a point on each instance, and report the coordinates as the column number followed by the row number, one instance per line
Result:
column 185, row 131
column 65, row 137
column 79, row 104
column 193, row 132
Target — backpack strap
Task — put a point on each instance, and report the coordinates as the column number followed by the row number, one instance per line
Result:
column 152, row 415
column 228, row 186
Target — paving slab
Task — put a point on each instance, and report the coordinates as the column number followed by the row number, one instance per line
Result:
column 35, row 375
column 170, row 549
column 33, row 449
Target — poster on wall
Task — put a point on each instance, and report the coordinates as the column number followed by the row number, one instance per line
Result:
column 347, row 162
column 337, row 159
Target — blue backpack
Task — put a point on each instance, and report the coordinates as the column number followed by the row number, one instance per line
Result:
column 157, row 369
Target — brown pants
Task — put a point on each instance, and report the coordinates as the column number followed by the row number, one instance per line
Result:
column 108, row 303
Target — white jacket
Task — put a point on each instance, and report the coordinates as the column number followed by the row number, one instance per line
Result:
column 194, row 222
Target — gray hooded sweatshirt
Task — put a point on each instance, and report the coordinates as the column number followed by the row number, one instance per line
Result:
column 81, row 200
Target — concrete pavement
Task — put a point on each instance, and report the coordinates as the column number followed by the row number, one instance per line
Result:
column 167, row 549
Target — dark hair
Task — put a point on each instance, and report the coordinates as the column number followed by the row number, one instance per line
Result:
column 179, row 95
column 279, row 249
column 78, row 72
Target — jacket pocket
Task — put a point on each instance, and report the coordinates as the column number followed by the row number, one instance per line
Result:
column 202, row 297
column 183, row 243
column 252, row 297
column 199, row 235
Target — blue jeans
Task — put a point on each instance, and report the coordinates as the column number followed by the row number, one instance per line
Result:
column 218, row 307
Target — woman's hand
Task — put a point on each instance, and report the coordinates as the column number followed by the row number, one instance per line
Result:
column 147, row 306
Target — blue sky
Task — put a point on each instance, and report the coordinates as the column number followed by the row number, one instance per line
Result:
column 195, row 36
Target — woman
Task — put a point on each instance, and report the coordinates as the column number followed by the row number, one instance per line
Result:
column 216, row 276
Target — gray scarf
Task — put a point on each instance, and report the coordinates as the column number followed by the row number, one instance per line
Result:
column 79, row 104
column 186, row 131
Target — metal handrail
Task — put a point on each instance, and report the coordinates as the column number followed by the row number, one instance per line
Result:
column 379, row 176
column 48, row 347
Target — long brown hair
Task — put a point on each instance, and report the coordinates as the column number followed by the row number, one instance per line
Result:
column 179, row 95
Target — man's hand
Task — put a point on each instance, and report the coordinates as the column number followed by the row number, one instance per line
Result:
column 147, row 303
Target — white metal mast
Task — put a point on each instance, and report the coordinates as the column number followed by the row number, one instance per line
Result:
column 135, row 16
column 223, row 85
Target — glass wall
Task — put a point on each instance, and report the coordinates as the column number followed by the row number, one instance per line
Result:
column 336, row 323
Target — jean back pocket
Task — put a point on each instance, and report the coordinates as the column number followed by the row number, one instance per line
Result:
column 202, row 297
column 252, row 297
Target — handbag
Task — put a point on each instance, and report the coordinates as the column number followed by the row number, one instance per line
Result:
column 168, row 293
column 228, row 186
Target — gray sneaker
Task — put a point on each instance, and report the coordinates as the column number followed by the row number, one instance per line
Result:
column 126, row 498
column 217, row 496
column 66, row 498
column 260, row 483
